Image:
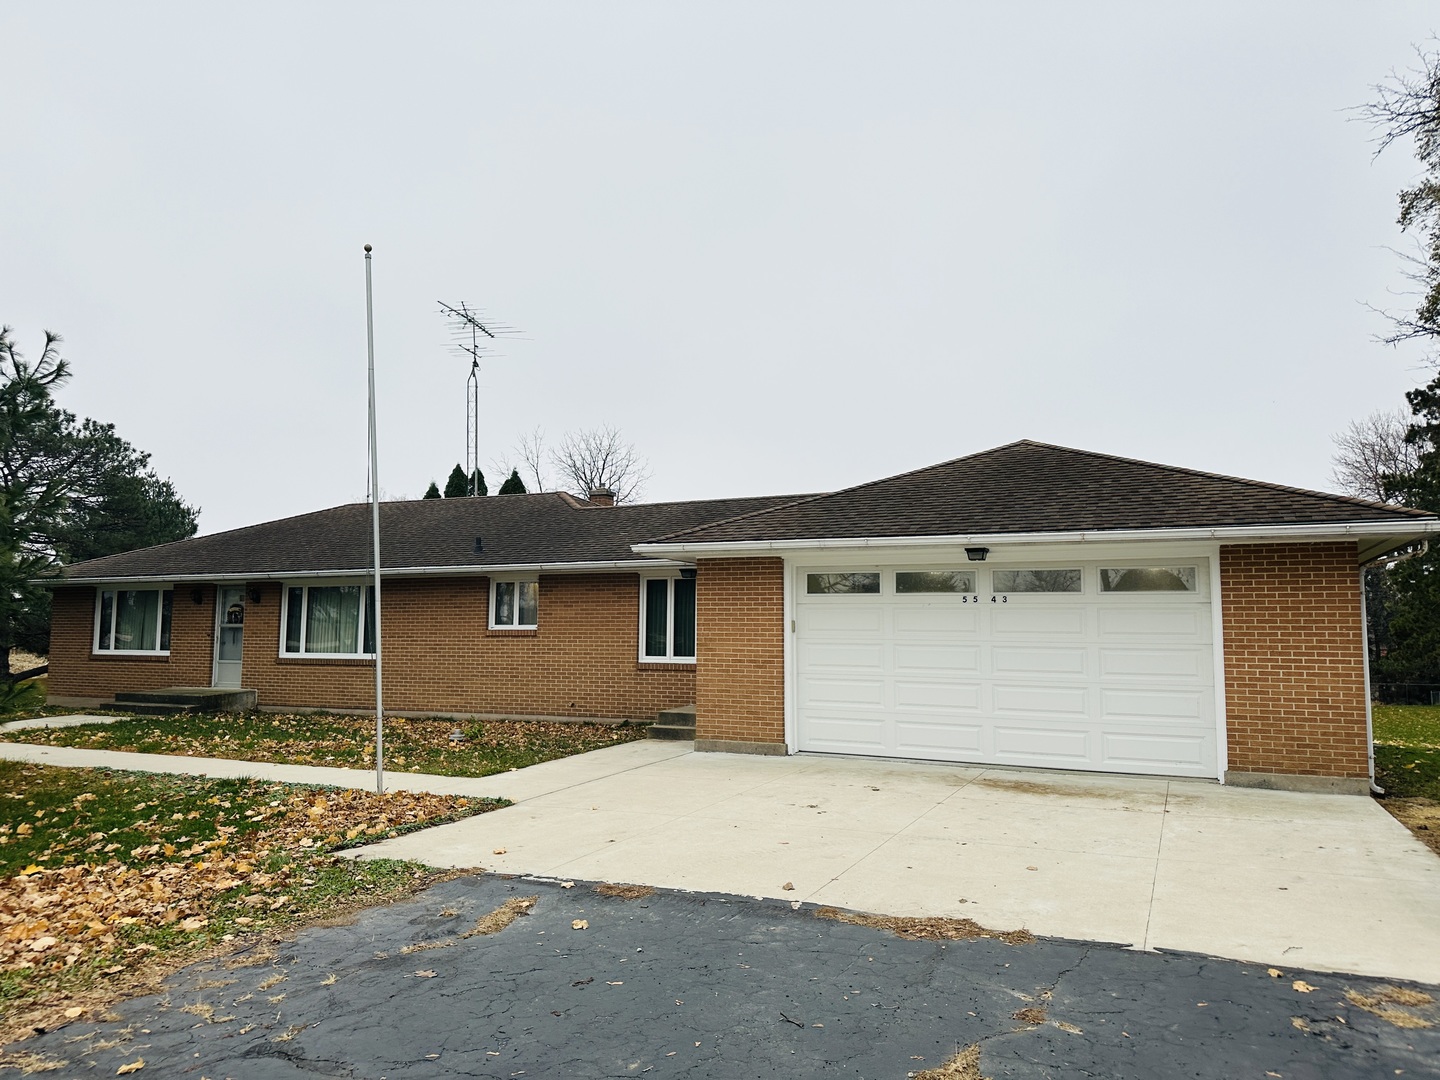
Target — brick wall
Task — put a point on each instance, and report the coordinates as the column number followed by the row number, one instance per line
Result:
column 439, row 655
column 1294, row 659
column 740, row 622
column 75, row 671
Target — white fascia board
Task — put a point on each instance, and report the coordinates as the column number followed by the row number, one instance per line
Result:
column 1400, row 532
column 392, row 573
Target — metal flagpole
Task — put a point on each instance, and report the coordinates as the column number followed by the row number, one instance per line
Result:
column 375, row 532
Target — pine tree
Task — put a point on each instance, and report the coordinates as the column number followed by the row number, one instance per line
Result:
column 480, row 488
column 457, row 487
column 514, row 485
column 433, row 491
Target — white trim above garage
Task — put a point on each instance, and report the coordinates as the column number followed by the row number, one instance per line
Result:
column 1110, row 681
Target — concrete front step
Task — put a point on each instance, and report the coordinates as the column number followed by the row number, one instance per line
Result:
column 185, row 699
column 675, row 724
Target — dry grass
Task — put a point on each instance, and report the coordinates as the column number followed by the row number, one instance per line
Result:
column 965, row 1065
column 625, row 892
column 29, row 1064
column 502, row 916
column 1031, row 1014
column 928, row 929
column 1383, row 1004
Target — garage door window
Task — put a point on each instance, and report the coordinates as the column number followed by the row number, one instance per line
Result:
column 935, row 581
column 1148, row 579
column 839, row 584
column 1037, row 581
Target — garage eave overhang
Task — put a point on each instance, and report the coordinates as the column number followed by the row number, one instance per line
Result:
column 1375, row 538
column 387, row 574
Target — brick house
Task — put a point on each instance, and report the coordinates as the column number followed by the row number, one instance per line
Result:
column 1029, row 605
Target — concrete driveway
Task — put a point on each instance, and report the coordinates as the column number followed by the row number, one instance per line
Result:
column 1326, row 882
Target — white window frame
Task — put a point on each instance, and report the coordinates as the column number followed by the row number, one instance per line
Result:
column 286, row 586
column 100, row 592
column 669, row 657
column 533, row 579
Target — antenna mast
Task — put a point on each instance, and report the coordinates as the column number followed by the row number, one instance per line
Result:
column 466, row 322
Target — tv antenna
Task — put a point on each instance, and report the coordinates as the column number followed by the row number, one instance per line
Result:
column 467, row 323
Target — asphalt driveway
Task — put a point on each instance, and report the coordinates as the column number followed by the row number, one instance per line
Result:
column 1328, row 882
column 721, row 988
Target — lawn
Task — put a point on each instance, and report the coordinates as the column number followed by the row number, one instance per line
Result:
column 1407, row 766
column 421, row 746
column 108, row 878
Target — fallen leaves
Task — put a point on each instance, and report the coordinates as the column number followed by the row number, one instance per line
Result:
column 253, row 848
column 580, row 924
column 1302, row 986
column 134, row 1067
column 428, row 973
column 927, row 929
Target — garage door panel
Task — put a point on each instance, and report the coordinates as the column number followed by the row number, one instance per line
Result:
column 947, row 658
column 1088, row 680
column 822, row 656
column 1052, row 621
column 948, row 620
column 911, row 694
column 1055, row 700
column 1188, row 663
column 920, row 739
column 1158, row 705
column 836, row 616
column 1038, row 660
column 856, row 693
column 1153, row 622
column 850, row 735
column 1042, row 746
column 1142, row 752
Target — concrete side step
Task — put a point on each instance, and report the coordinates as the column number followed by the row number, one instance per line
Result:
column 191, row 698
column 138, row 708
column 675, row 724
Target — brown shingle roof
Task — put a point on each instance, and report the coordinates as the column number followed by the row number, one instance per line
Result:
column 1030, row 487
column 514, row 529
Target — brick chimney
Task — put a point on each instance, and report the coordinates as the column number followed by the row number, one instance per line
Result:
column 602, row 496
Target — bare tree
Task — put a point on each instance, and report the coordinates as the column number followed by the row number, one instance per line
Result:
column 600, row 458
column 1369, row 451
column 531, row 452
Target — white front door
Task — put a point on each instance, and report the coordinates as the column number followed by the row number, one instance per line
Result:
column 1098, row 666
column 229, row 634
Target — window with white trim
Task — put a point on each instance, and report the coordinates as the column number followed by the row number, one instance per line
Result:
column 515, row 604
column 328, row 620
column 667, row 619
column 133, row 621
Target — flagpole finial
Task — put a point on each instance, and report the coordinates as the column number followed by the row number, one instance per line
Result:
column 367, row 249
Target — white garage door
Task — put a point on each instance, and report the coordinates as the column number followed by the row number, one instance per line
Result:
column 1101, row 666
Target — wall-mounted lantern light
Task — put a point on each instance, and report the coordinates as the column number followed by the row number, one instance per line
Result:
column 976, row 554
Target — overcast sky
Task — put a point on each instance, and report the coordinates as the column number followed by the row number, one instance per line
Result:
column 782, row 247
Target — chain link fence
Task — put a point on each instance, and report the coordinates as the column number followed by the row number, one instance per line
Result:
column 1405, row 693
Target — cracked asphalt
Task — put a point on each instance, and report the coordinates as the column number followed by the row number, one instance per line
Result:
column 679, row 984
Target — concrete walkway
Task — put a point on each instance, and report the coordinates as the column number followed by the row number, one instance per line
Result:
column 1327, row 882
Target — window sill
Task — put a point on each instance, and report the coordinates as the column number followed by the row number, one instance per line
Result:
column 513, row 631
column 665, row 665
column 150, row 657
column 321, row 661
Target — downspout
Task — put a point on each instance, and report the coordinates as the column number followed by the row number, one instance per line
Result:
column 1376, row 789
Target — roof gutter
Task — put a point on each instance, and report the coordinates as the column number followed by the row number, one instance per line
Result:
column 392, row 572
column 1408, row 531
